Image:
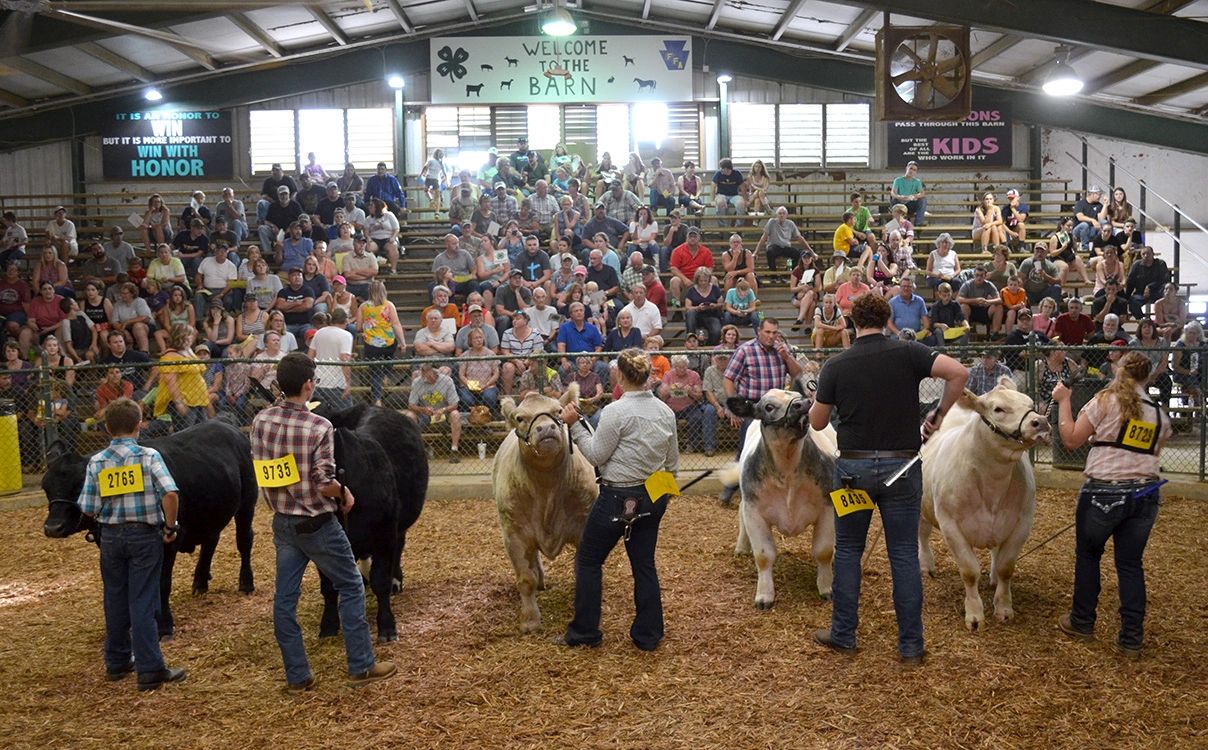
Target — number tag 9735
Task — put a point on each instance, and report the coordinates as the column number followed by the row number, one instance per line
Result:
column 121, row 480
column 1138, row 434
column 277, row 472
column 849, row 501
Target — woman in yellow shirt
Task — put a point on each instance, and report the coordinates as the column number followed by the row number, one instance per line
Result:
column 382, row 335
column 182, row 385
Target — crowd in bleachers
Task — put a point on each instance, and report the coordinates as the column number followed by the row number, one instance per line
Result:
column 530, row 263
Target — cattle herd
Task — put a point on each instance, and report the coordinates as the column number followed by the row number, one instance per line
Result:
column 978, row 489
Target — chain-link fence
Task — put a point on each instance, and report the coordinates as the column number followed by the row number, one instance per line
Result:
column 458, row 401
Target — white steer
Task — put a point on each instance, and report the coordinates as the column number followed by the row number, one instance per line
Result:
column 543, row 492
column 786, row 473
column 978, row 488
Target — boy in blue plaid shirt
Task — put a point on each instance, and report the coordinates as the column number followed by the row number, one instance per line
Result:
column 132, row 496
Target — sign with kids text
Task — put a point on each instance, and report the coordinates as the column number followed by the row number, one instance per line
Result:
column 536, row 69
column 166, row 144
column 983, row 139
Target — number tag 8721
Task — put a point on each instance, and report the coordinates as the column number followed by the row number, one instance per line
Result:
column 1138, row 434
column 277, row 472
column 849, row 501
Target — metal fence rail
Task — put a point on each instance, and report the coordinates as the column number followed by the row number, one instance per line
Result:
column 60, row 404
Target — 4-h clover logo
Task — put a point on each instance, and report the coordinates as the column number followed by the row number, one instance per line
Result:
column 452, row 65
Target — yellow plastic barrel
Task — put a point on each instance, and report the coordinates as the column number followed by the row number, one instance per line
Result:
column 10, row 455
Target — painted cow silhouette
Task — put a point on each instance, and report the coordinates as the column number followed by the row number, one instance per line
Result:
column 484, row 66
column 628, row 60
column 643, row 84
column 512, row 62
column 475, row 89
column 506, row 84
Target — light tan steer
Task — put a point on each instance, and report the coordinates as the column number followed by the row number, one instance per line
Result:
column 543, row 492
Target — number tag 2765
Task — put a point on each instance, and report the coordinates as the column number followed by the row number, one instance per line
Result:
column 277, row 472
column 121, row 480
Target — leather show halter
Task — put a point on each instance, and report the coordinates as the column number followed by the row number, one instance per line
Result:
column 1017, row 435
column 556, row 419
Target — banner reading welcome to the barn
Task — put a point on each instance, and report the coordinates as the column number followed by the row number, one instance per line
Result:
column 161, row 144
column 535, row 69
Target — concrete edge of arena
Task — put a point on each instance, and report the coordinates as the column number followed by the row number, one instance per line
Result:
column 462, row 487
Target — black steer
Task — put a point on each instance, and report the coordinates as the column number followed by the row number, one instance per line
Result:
column 380, row 456
column 212, row 466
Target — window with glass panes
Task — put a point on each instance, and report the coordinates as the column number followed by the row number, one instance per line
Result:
column 335, row 136
column 807, row 135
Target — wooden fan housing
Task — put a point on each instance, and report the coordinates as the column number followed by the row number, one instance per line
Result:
column 923, row 73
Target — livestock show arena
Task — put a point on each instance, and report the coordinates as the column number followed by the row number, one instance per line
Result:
column 468, row 214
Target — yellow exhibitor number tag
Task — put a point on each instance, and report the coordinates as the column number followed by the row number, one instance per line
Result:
column 661, row 483
column 849, row 501
column 121, row 480
column 277, row 472
column 1138, row 434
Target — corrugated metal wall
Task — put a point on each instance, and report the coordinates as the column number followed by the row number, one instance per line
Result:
column 47, row 169
column 41, row 170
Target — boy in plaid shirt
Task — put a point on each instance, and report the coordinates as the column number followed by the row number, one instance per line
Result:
column 132, row 496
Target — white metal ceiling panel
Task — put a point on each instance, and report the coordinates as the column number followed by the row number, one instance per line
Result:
column 26, row 86
column 152, row 55
column 218, row 36
column 83, row 67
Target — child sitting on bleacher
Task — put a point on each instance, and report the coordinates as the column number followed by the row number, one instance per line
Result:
column 597, row 305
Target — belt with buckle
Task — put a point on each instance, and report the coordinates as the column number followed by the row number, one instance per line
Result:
column 864, row 455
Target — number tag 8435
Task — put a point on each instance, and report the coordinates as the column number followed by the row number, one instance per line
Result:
column 849, row 501
column 121, row 480
column 277, row 472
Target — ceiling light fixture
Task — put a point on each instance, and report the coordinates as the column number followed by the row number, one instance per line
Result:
column 152, row 95
column 395, row 81
column 558, row 22
column 724, row 78
column 1062, row 79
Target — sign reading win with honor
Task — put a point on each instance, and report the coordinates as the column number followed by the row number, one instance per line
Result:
column 159, row 144
column 530, row 70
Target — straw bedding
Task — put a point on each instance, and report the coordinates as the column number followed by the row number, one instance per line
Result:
column 726, row 675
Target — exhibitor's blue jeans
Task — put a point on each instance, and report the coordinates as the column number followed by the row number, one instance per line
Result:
column 899, row 506
column 702, row 425
column 488, row 397
column 334, row 398
column 377, row 373
column 132, row 556
column 600, row 535
column 299, row 331
column 1084, row 232
column 331, row 553
column 1103, row 515
column 1137, row 302
column 658, row 200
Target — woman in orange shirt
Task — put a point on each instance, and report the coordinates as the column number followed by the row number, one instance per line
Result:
column 1014, row 299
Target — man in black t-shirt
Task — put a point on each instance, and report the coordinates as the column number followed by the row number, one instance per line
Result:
column 277, row 218
column 128, row 360
column 874, row 389
column 192, row 246
column 509, row 299
column 1086, row 217
column 296, row 303
column 726, row 183
column 1018, row 359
